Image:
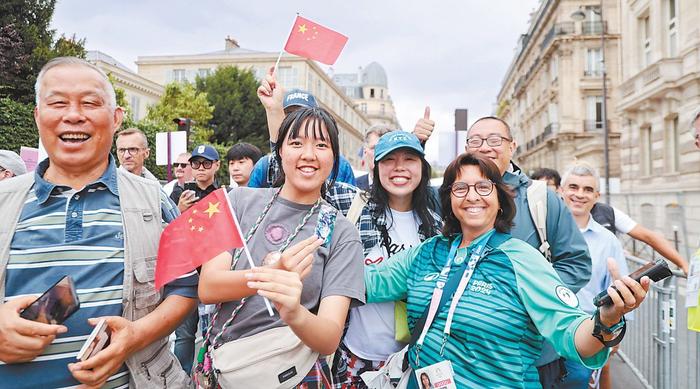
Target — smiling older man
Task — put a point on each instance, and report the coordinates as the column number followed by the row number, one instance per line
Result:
column 79, row 215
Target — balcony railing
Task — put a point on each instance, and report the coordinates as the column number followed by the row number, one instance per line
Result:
column 593, row 28
column 557, row 29
column 593, row 73
column 594, row 125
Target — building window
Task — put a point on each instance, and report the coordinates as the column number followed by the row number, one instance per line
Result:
column 381, row 93
column 382, row 109
column 646, row 160
column 672, row 149
column 179, row 75
column 554, row 68
column 371, row 93
column 646, row 41
column 594, row 62
column 135, row 105
column 672, row 28
column 204, row 73
column 594, row 113
column 648, row 218
column 363, row 107
column 288, row 76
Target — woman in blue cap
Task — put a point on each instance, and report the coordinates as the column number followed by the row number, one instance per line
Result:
column 397, row 216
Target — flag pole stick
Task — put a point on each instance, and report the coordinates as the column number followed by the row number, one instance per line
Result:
column 279, row 57
column 245, row 247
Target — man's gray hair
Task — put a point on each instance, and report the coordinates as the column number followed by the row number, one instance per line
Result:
column 377, row 129
column 581, row 169
column 74, row 61
column 134, row 130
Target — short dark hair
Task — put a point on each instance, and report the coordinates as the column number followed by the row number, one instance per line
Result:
column 508, row 132
column 244, row 150
column 311, row 120
column 547, row 174
column 504, row 219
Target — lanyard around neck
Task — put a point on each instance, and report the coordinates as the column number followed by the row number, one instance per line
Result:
column 476, row 255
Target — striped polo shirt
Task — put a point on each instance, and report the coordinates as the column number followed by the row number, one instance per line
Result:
column 513, row 301
column 61, row 232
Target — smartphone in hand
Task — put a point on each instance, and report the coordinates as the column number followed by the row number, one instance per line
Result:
column 656, row 271
column 56, row 305
column 98, row 340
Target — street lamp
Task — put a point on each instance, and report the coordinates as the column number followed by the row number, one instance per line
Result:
column 578, row 16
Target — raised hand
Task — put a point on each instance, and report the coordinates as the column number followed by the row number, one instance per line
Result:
column 424, row 127
column 270, row 92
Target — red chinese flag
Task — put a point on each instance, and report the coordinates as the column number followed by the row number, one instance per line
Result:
column 312, row 40
column 202, row 232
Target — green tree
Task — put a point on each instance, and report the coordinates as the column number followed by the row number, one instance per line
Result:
column 238, row 114
column 27, row 43
column 17, row 127
column 183, row 100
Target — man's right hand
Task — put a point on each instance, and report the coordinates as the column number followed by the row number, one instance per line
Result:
column 270, row 93
column 187, row 199
column 22, row 340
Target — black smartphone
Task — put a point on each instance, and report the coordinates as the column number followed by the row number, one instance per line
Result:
column 656, row 271
column 55, row 305
column 191, row 186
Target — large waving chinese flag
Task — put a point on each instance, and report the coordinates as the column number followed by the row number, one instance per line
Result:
column 202, row 232
column 312, row 40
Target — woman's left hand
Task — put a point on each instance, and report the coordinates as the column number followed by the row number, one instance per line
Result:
column 628, row 296
column 281, row 287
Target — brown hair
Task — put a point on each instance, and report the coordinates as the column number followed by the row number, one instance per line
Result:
column 504, row 218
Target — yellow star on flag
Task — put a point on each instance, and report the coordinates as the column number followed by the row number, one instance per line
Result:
column 213, row 208
column 302, row 28
column 200, row 229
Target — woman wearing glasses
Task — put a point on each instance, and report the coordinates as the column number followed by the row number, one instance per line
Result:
column 500, row 293
column 396, row 217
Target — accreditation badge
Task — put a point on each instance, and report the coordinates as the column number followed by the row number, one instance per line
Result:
column 436, row 376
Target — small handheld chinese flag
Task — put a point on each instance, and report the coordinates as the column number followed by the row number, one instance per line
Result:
column 202, row 232
column 312, row 40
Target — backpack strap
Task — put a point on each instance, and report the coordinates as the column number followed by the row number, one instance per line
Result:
column 537, row 202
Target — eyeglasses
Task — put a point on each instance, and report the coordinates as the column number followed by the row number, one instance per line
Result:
column 206, row 163
column 131, row 150
column 179, row 164
column 475, row 142
column 482, row 188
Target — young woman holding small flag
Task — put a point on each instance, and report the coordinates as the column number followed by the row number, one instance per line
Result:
column 311, row 282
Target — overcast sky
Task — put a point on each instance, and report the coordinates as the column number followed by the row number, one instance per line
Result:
column 446, row 54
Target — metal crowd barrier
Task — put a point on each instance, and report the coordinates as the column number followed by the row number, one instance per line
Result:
column 658, row 347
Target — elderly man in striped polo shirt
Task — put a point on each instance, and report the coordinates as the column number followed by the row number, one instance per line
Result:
column 79, row 215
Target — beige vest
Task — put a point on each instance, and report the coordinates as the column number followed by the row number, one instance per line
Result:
column 154, row 366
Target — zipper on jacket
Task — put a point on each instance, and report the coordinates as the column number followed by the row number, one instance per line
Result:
column 144, row 364
column 165, row 372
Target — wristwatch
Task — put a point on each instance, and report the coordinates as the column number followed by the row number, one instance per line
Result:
column 599, row 329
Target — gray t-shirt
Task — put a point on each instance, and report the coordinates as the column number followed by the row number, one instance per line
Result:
column 336, row 270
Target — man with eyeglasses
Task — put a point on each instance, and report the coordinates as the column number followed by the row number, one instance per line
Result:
column 492, row 138
column 11, row 164
column 205, row 163
column 132, row 152
column 183, row 173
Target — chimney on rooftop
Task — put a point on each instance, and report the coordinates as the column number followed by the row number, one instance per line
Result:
column 231, row 43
